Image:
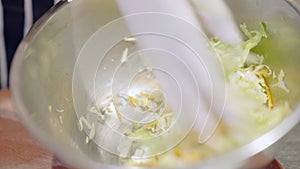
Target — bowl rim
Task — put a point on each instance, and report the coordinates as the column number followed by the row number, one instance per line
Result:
column 242, row 153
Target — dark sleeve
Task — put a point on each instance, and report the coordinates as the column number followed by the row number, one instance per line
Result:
column 40, row 7
column 13, row 18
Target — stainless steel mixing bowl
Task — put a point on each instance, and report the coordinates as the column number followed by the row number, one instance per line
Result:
column 43, row 67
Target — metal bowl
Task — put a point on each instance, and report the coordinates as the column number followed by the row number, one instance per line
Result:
column 43, row 69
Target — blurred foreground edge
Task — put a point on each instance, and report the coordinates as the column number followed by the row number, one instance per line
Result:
column 273, row 165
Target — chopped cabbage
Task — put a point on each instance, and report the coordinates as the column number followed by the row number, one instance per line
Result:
column 234, row 56
column 247, row 81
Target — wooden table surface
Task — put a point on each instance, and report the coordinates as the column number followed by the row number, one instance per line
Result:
column 18, row 149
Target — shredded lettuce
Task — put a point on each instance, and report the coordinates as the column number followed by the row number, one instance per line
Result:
column 248, row 85
column 254, row 37
column 245, row 71
column 234, row 56
column 281, row 84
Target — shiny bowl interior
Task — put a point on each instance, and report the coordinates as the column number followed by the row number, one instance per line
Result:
column 43, row 69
